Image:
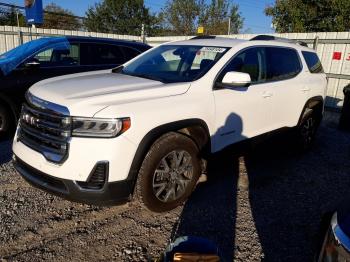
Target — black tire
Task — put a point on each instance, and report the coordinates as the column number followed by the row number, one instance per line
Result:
column 161, row 190
column 307, row 129
column 6, row 122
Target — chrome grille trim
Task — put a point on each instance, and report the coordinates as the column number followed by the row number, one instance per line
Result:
column 45, row 131
column 55, row 109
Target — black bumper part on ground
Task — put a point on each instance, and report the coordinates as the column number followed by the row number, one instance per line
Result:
column 344, row 122
column 112, row 193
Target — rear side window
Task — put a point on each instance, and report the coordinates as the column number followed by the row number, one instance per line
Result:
column 129, row 53
column 101, row 54
column 282, row 63
column 313, row 62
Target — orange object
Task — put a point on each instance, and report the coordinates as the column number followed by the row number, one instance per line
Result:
column 194, row 257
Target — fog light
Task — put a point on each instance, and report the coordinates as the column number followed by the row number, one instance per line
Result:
column 97, row 178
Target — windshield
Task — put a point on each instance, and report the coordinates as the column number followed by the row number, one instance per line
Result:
column 175, row 63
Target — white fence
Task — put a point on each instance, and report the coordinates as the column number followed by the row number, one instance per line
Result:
column 333, row 48
column 11, row 36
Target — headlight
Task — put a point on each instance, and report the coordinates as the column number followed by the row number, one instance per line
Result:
column 99, row 127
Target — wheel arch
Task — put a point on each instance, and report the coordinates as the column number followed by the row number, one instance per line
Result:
column 196, row 129
column 316, row 102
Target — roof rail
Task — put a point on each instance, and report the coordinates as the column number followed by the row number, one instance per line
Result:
column 280, row 39
column 203, row 37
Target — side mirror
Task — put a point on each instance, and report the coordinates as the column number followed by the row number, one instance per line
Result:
column 236, row 79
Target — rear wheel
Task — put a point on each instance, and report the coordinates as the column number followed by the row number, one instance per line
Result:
column 169, row 172
column 307, row 129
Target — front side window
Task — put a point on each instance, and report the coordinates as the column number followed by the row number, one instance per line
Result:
column 175, row 63
column 250, row 61
column 59, row 55
column 313, row 62
column 282, row 63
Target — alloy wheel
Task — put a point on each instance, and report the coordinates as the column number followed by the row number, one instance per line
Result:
column 308, row 130
column 172, row 176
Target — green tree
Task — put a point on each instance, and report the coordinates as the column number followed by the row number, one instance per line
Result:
column 217, row 16
column 58, row 18
column 120, row 17
column 9, row 17
column 180, row 16
column 237, row 20
column 310, row 15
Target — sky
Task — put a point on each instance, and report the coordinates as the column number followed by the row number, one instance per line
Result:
column 252, row 11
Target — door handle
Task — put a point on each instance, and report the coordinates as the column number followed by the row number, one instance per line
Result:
column 267, row 94
column 305, row 89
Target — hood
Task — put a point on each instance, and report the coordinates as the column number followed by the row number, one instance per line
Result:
column 87, row 93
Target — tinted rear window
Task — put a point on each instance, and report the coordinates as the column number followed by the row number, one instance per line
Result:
column 313, row 62
column 101, row 54
column 129, row 52
column 282, row 63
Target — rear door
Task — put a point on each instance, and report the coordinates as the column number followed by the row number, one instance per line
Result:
column 288, row 86
column 99, row 56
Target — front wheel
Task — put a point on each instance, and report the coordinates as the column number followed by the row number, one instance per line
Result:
column 169, row 172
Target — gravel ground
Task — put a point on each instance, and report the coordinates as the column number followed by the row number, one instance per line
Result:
column 261, row 204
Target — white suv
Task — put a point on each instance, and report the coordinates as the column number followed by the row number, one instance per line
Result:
column 144, row 128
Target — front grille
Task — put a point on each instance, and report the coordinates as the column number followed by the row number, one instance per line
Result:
column 45, row 131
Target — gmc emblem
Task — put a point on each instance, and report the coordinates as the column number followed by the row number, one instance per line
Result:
column 29, row 3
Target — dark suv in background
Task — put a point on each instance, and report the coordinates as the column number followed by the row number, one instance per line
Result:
column 43, row 58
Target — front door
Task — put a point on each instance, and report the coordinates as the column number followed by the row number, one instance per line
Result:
column 242, row 112
column 55, row 60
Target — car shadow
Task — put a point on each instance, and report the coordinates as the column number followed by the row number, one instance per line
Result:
column 202, row 215
column 288, row 193
column 211, row 211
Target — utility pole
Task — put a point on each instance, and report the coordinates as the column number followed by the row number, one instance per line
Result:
column 143, row 34
column 17, row 15
column 229, row 26
column 20, row 39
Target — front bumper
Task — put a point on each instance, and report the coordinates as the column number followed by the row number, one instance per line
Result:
column 111, row 194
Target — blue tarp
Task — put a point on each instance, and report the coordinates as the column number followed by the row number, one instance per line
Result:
column 13, row 58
